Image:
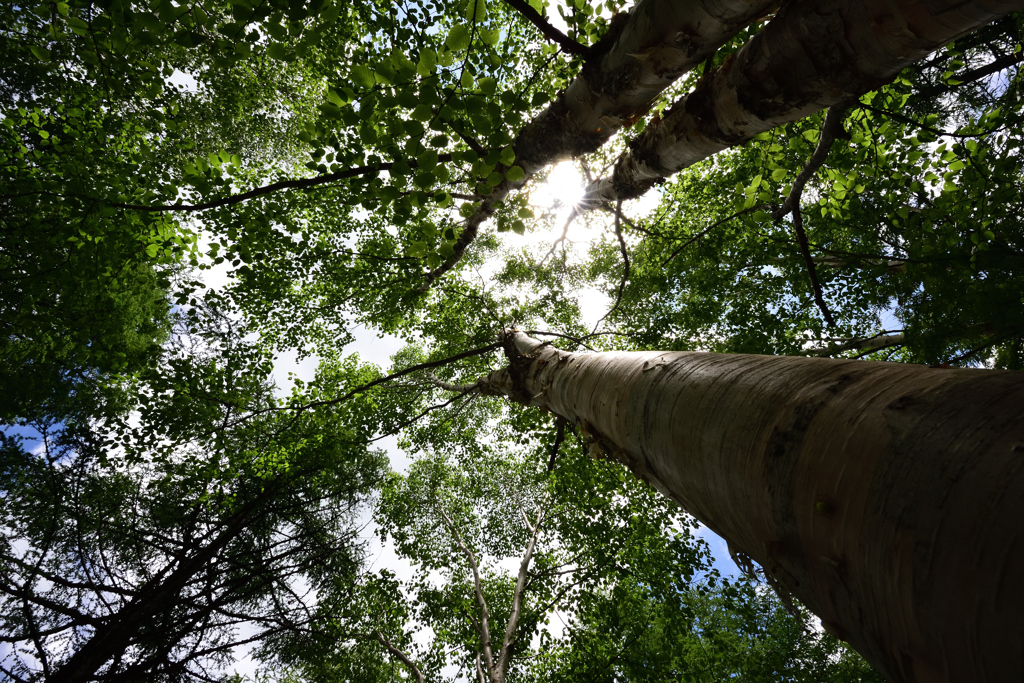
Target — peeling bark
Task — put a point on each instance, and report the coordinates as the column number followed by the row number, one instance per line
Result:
column 888, row 498
column 814, row 54
column 625, row 72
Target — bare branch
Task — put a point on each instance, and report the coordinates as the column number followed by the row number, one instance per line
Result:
column 567, row 44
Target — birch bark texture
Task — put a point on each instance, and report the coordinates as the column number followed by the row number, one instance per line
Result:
column 814, row 54
column 888, row 498
column 643, row 53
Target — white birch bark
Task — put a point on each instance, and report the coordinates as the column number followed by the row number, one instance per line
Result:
column 657, row 42
column 812, row 55
column 888, row 498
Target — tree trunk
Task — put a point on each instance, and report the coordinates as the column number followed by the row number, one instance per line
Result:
column 643, row 53
column 888, row 498
column 813, row 54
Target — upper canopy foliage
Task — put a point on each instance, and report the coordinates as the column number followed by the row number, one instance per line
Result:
column 263, row 174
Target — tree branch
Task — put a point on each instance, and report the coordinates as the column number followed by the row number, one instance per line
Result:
column 708, row 229
column 965, row 77
column 484, row 624
column 301, row 184
column 567, row 44
column 812, row 272
column 401, row 655
column 517, row 597
column 830, row 129
column 625, row 266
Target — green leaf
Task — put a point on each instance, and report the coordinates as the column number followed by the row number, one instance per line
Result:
column 476, row 11
column 277, row 51
column 423, row 112
column 466, row 81
column 363, row 76
column 778, row 174
column 490, row 36
column 487, row 85
column 41, row 53
column 458, row 38
column 515, row 174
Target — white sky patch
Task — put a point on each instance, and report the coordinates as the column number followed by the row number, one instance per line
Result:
column 183, row 81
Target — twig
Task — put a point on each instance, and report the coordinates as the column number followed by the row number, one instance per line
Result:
column 303, row 184
column 550, row 32
column 832, row 127
column 708, row 229
column 625, row 266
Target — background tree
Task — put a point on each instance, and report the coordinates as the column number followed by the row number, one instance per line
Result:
column 154, row 551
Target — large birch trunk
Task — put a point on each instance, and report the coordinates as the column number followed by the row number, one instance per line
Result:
column 888, row 498
column 644, row 53
column 812, row 55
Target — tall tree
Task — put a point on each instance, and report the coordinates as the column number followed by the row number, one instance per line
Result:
column 324, row 148
column 866, row 490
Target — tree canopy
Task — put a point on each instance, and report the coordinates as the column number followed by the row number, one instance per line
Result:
column 191, row 190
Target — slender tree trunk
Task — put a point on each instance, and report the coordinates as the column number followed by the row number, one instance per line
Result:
column 813, row 54
column 888, row 498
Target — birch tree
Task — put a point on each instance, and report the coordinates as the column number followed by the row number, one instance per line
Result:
column 533, row 561
column 865, row 490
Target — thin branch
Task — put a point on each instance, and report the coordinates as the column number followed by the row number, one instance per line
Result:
column 708, row 229
column 484, row 624
column 567, row 44
column 401, row 655
column 559, row 438
column 830, row 129
column 517, row 597
column 879, row 341
column 561, row 238
column 922, row 126
column 458, row 388
column 393, row 376
column 812, row 272
column 966, row 77
column 303, row 184
column 625, row 266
